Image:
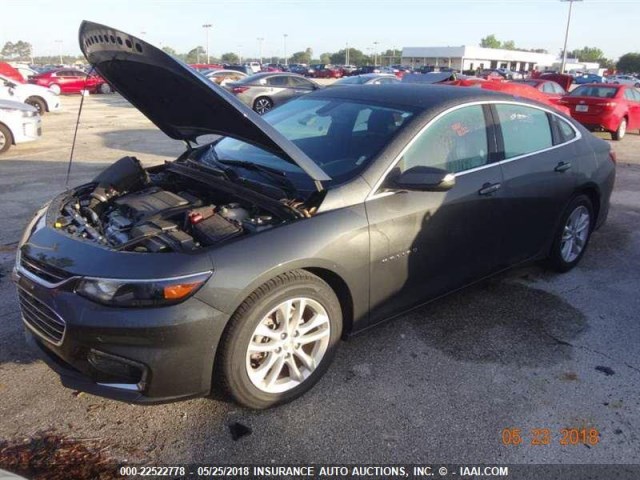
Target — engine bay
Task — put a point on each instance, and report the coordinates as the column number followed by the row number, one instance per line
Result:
column 128, row 208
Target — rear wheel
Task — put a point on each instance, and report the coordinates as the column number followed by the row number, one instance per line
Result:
column 105, row 88
column 262, row 105
column 6, row 139
column 573, row 235
column 38, row 103
column 280, row 341
column 55, row 88
column 622, row 130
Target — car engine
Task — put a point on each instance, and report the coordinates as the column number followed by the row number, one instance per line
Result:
column 127, row 209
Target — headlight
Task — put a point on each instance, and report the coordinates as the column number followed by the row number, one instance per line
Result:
column 141, row 293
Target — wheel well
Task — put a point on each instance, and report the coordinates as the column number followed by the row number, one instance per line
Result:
column 13, row 140
column 594, row 196
column 341, row 289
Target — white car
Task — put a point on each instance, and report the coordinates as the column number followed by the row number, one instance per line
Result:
column 624, row 80
column 43, row 99
column 18, row 123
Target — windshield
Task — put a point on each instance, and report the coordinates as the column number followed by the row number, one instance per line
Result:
column 350, row 80
column 340, row 136
column 598, row 92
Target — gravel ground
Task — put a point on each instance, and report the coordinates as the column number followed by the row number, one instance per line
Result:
column 529, row 349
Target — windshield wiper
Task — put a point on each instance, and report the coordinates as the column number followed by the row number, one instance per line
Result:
column 271, row 172
column 217, row 168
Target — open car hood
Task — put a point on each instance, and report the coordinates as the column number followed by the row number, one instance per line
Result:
column 178, row 100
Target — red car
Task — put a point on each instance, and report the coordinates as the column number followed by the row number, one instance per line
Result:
column 69, row 80
column 551, row 89
column 605, row 107
column 510, row 88
column 326, row 71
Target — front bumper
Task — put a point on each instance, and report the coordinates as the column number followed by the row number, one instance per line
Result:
column 30, row 129
column 168, row 352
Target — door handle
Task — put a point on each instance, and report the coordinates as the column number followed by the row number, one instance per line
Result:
column 489, row 188
column 563, row 167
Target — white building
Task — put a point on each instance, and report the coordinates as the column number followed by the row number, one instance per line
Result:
column 468, row 57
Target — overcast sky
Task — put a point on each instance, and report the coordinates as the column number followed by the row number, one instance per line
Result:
column 326, row 25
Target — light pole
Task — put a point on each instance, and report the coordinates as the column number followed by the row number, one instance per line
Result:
column 207, row 26
column 260, row 40
column 59, row 42
column 375, row 54
column 284, row 42
column 346, row 55
column 566, row 35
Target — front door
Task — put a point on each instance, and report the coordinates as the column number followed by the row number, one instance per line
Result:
column 424, row 244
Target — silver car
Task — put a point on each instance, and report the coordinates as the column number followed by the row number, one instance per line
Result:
column 264, row 91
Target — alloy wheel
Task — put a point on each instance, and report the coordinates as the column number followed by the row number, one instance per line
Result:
column 262, row 106
column 3, row 140
column 288, row 345
column 575, row 234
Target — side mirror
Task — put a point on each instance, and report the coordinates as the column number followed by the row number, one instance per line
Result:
column 424, row 179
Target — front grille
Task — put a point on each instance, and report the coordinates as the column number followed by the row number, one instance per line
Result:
column 41, row 318
column 42, row 270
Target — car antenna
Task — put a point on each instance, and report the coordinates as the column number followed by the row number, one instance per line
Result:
column 75, row 133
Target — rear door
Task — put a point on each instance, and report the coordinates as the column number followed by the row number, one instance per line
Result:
column 424, row 244
column 632, row 96
column 540, row 168
column 280, row 90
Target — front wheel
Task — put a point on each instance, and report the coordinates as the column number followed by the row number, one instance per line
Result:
column 105, row 88
column 622, row 130
column 262, row 105
column 573, row 235
column 280, row 341
column 6, row 139
column 55, row 88
column 38, row 103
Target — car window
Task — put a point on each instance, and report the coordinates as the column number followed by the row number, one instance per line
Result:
column 558, row 89
column 636, row 94
column 278, row 81
column 547, row 87
column 591, row 91
column 456, row 142
column 300, row 82
column 565, row 131
column 630, row 94
column 524, row 129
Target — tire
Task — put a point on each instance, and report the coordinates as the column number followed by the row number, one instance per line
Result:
column 262, row 105
column 6, row 139
column 621, row 131
column 38, row 103
column 563, row 257
column 105, row 88
column 237, row 370
column 55, row 88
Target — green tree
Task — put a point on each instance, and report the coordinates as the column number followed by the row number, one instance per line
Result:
column 587, row 54
column 230, row 57
column 170, row 51
column 629, row 62
column 196, row 55
column 302, row 57
column 509, row 45
column 490, row 41
column 17, row 51
column 325, row 58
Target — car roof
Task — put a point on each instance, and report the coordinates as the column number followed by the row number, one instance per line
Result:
column 412, row 95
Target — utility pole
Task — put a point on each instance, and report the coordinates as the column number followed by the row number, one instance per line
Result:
column 375, row 53
column 207, row 26
column 284, row 41
column 346, row 55
column 59, row 42
column 260, row 40
column 566, row 35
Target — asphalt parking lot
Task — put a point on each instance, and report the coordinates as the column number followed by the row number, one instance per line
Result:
column 529, row 349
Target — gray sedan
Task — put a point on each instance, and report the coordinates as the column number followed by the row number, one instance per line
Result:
column 264, row 91
column 368, row 79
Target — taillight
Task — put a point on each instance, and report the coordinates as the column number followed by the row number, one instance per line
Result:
column 613, row 156
column 607, row 105
column 237, row 90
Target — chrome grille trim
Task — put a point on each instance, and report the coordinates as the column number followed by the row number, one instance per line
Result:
column 40, row 318
column 40, row 270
